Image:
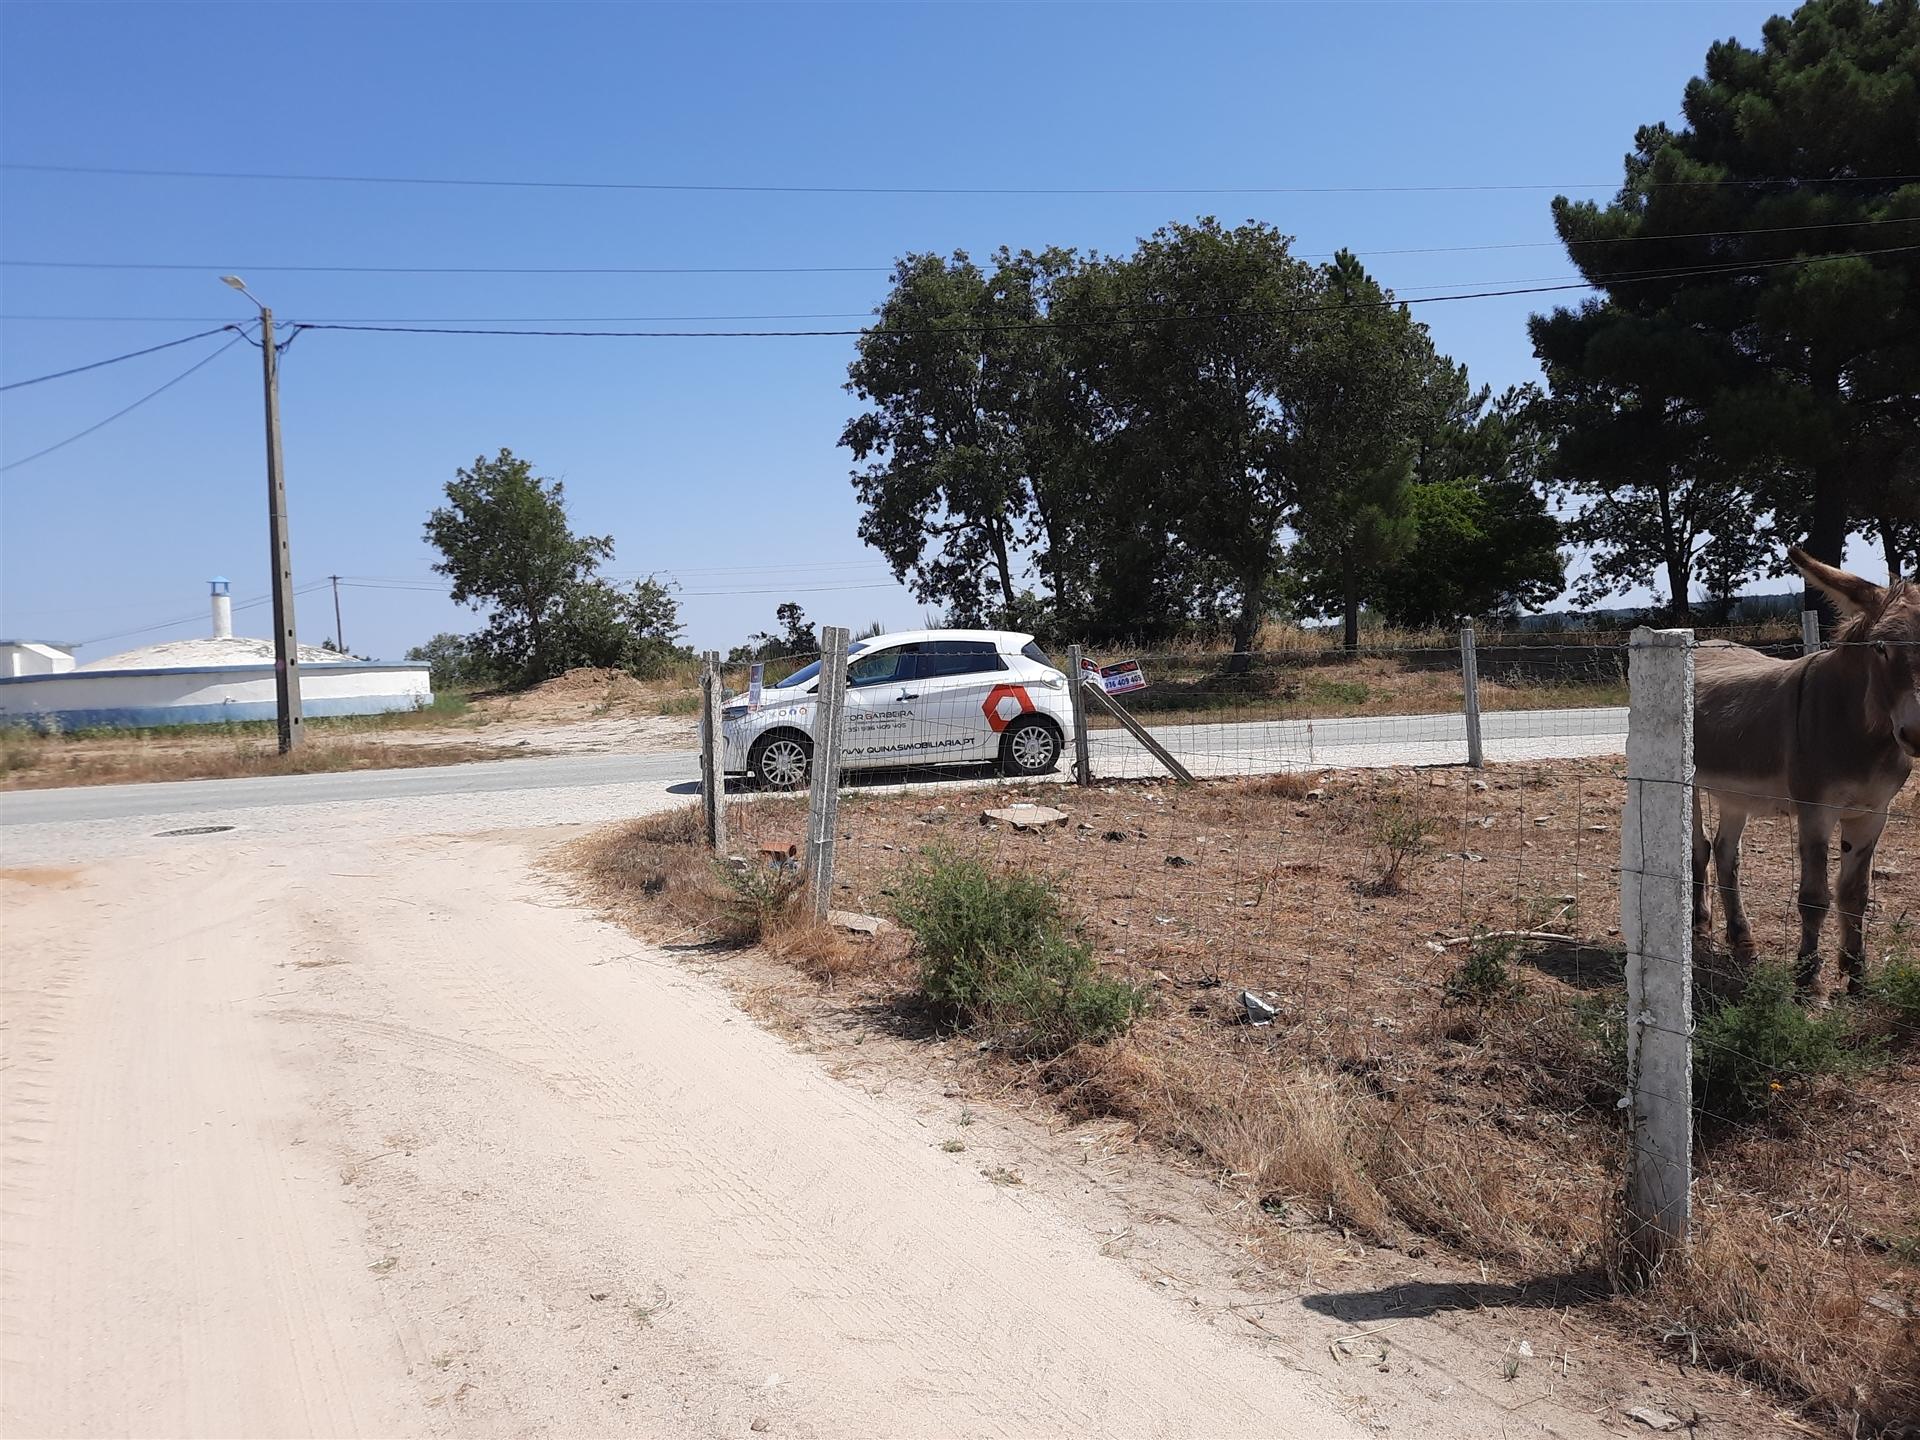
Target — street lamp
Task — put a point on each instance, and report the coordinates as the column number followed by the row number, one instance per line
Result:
column 286, row 646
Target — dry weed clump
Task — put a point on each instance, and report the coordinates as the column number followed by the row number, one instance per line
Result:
column 1782, row 1302
column 657, row 872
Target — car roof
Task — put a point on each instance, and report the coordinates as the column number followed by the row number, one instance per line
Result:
column 1004, row 639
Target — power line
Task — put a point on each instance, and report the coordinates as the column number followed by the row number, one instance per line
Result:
column 1619, row 278
column 189, row 619
column 656, row 187
column 116, row 359
column 885, row 269
column 158, row 390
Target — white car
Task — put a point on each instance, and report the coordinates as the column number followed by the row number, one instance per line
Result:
column 922, row 697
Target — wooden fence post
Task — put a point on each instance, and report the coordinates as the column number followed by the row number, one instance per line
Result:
column 713, row 766
column 823, row 809
column 1082, row 764
column 1470, row 682
column 1809, row 631
column 1656, row 926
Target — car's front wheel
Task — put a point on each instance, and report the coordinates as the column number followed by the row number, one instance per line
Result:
column 783, row 760
column 1030, row 746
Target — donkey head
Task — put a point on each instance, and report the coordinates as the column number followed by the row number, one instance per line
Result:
column 1884, row 620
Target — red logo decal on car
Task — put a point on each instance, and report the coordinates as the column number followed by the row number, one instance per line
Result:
column 1006, row 704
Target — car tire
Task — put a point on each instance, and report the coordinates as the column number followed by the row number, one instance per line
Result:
column 787, row 754
column 1030, row 746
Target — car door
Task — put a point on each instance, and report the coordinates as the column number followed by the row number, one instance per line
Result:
column 953, row 680
column 879, row 723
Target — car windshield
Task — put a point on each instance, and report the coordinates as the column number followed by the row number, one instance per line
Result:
column 812, row 672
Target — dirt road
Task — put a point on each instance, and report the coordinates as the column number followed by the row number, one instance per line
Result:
column 383, row 1136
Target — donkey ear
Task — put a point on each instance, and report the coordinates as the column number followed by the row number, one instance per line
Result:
column 1852, row 594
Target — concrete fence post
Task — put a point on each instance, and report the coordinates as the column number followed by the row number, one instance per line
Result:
column 713, row 767
column 1470, row 685
column 1656, row 926
column 1809, row 631
column 1082, row 761
column 823, row 809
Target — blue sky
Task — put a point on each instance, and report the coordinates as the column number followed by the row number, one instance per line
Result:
column 712, row 459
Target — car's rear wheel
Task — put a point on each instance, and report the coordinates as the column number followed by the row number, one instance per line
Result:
column 1030, row 746
column 783, row 760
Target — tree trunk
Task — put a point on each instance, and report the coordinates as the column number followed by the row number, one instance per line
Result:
column 1678, row 606
column 1002, row 564
column 1350, row 611
column 1827, row 532
column 1246, row 625
column 1890, row 547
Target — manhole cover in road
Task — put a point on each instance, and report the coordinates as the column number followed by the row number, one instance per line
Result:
column 191, row 830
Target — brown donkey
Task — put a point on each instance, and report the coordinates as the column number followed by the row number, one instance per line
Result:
column 1830, row 737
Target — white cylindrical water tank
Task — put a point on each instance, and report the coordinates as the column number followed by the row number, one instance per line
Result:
column 222, row 609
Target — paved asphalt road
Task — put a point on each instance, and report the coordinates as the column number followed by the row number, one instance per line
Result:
column 1251, row 747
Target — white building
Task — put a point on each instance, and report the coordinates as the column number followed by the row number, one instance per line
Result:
column 223, row 677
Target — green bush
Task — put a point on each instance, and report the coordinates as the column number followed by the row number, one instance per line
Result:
column 997, row 950
column 757, row 895
column 1895, row 987
column 1747, row 1051
column 1485, row 975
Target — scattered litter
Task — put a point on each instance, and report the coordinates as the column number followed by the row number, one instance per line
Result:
column 1652, row 1418
column 1178, row 860
column 1889, row 1303
column 1259, row 1012
column 858, row 924
column 1114, row 837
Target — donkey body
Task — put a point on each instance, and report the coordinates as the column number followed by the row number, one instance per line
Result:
column 1828, row 738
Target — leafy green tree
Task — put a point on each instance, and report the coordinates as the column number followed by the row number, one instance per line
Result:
column 796, row 636
column 1638, row 456
column 454, row 662
column 1775, row 231
column 505, row 542
column 1485, row 542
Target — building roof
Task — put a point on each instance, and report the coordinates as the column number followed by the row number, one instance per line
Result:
column 205, row 652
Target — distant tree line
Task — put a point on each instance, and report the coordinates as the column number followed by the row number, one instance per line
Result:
column 1210, row 431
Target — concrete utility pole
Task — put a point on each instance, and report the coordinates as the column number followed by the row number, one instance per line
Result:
column 339, row 633
column 286, row 645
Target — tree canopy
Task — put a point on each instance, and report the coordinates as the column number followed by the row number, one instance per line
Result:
column 505, row 543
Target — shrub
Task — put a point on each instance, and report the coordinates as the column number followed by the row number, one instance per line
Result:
column 1485, row 975
column 1401, row 829
column 759, row 894
column 1895, row 988
column 996, row 949
column 1747, row 1050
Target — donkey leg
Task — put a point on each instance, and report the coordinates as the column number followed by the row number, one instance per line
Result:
column 1859, row 834
column 1816, row 829
column 1726, row 871
column 1702, row 919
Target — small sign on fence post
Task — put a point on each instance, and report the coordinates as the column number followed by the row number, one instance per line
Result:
column 1082, row 761
column 1656, row 926
column 713, row 778
column 823, row 808
column 1470, row 684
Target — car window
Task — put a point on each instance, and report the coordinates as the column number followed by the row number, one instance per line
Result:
column 1034, row 653
column 883, row 667
column 958, row 657
column 812, row 672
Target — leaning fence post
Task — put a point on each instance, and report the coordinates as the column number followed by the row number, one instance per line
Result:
column 1470, row 683
column 1809, row 631
column 1656, row 905
column 823, row 809
column 713, row 768
column 1082, row 764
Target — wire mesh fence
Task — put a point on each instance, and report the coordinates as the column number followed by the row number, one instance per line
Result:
column 1339, row 908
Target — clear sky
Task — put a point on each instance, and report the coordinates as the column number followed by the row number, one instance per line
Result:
column 712, row 460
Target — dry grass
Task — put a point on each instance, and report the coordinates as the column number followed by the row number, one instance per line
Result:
column 657, row 872
column 39, row 762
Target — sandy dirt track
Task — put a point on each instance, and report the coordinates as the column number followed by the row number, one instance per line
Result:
column 342, row 1136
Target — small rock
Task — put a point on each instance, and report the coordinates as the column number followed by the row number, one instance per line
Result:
column 760, row 1424
column 1653, row 1419
column 858, row 924
column 1316, row 794
column 1476, row 784
column 1115, row 837
column 1025, row 817
column 1178, row 860
column 1259, row 1012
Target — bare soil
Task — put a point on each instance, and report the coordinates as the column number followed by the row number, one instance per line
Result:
column 1484, row 1130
